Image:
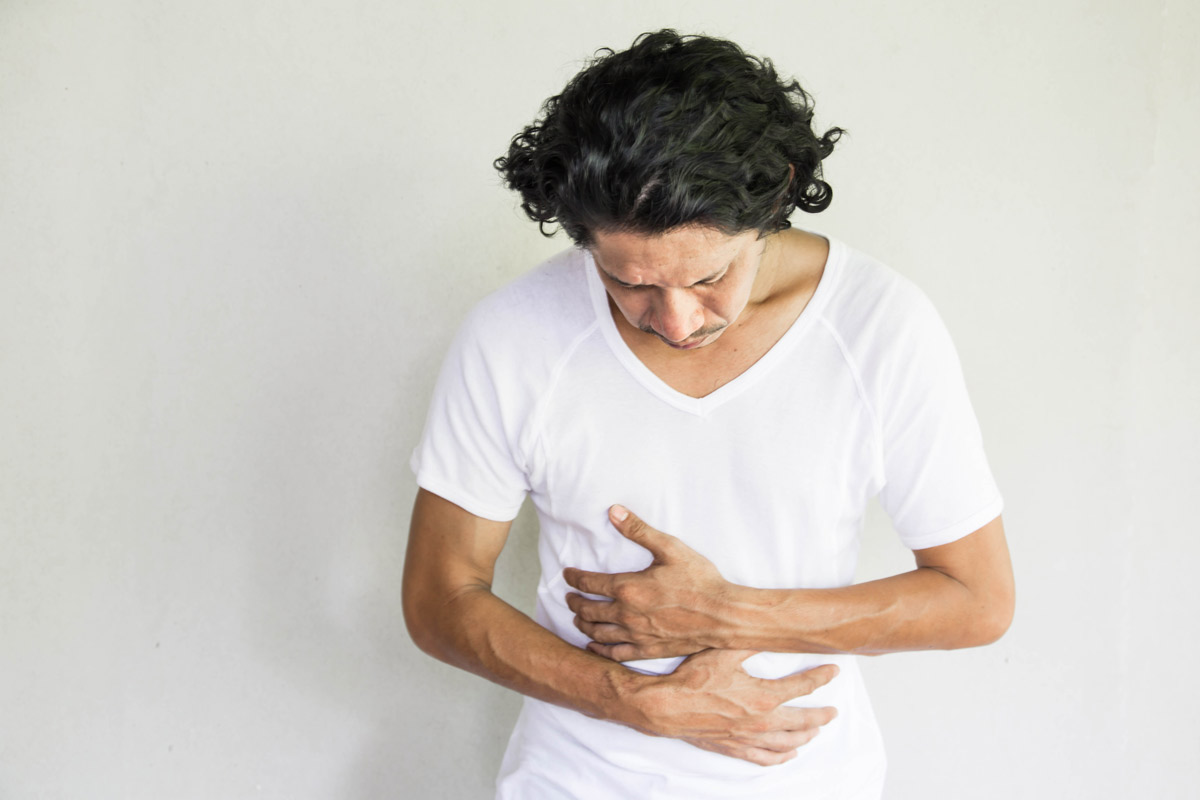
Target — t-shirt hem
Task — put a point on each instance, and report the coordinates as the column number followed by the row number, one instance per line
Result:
column 448, row 491
column 958, row 530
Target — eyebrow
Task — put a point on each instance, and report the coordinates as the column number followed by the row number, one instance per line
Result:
column 620, row 282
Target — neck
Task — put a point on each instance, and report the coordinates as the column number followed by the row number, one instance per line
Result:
column 773, row 273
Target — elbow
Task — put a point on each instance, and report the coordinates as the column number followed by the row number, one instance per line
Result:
column 417, row 630
column 421, row 624
column 994, row 626
column 434, row 614
column 991, row 620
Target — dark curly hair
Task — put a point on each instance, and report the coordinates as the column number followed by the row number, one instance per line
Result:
column 676, row 130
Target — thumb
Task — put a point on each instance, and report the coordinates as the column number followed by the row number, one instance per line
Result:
column 633, row 528
column 806, row 682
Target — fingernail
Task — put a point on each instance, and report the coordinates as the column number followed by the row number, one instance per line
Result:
column 619, row 513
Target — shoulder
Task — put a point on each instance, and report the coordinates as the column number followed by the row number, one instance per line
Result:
column 887, row 329
column 549, row 301
column 520, row 332
column 873, row 308
column 870, row 295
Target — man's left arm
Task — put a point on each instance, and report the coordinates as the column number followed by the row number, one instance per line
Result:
column 961, row 594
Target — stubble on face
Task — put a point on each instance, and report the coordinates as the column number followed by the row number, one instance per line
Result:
column 691, row 258
column 691, row 341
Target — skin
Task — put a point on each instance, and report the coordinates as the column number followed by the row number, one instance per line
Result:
column 708, row 701
column 728, row 299
column 698, row 307
column 960, row 595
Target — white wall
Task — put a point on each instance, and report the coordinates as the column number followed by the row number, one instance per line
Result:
column 235, row 238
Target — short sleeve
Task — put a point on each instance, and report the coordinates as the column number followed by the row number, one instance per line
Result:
column 937, row 483
column 469, row 453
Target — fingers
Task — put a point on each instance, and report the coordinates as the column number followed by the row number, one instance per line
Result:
column 777, row 747
column 786, row 741
column 789, row 732
column 746, row 752
column 803, row 683
column 593, row 619
column 602, row 633
column 592, row 610
column 622, row 651
column 764, row 757
column 632, row 527
column 600, row 583
column 766, row 750
column 800, row 720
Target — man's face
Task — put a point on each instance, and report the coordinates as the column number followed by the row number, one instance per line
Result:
column 685, row 286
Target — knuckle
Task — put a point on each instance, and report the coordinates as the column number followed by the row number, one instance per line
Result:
column 753, row 727
column 745, row 753
column 763, row 704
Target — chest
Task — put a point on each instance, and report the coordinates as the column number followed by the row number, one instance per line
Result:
column 770, row 483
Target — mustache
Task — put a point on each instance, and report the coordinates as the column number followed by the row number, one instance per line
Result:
column 700, row 334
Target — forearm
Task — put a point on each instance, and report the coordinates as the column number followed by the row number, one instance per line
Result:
column 920, row 610
column 474, row 630
column 960, row 595
column 709, row 701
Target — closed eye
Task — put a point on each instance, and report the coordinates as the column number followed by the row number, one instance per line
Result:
column 715, row 279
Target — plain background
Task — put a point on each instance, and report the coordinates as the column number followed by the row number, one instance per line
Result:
column 236, row 238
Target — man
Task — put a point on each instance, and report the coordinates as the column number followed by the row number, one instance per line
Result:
column 700, row 402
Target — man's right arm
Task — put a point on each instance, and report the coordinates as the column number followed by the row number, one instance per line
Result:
column 709, row 701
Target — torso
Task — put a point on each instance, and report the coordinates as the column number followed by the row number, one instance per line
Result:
column 700, row 372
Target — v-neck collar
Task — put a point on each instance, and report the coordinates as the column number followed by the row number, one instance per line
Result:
column 701, row 406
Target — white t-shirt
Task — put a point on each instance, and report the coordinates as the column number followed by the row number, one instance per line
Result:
column 768, row 477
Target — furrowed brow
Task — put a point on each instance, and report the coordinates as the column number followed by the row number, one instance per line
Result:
column 620, row 282
column 712, row 277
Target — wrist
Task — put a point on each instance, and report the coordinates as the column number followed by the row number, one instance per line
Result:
column 732, row 612
column 762, row 619
column 631, row 699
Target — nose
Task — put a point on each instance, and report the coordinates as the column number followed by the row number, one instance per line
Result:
column 677, row 315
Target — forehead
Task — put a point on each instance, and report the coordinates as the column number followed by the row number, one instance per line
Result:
column 681, row 256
